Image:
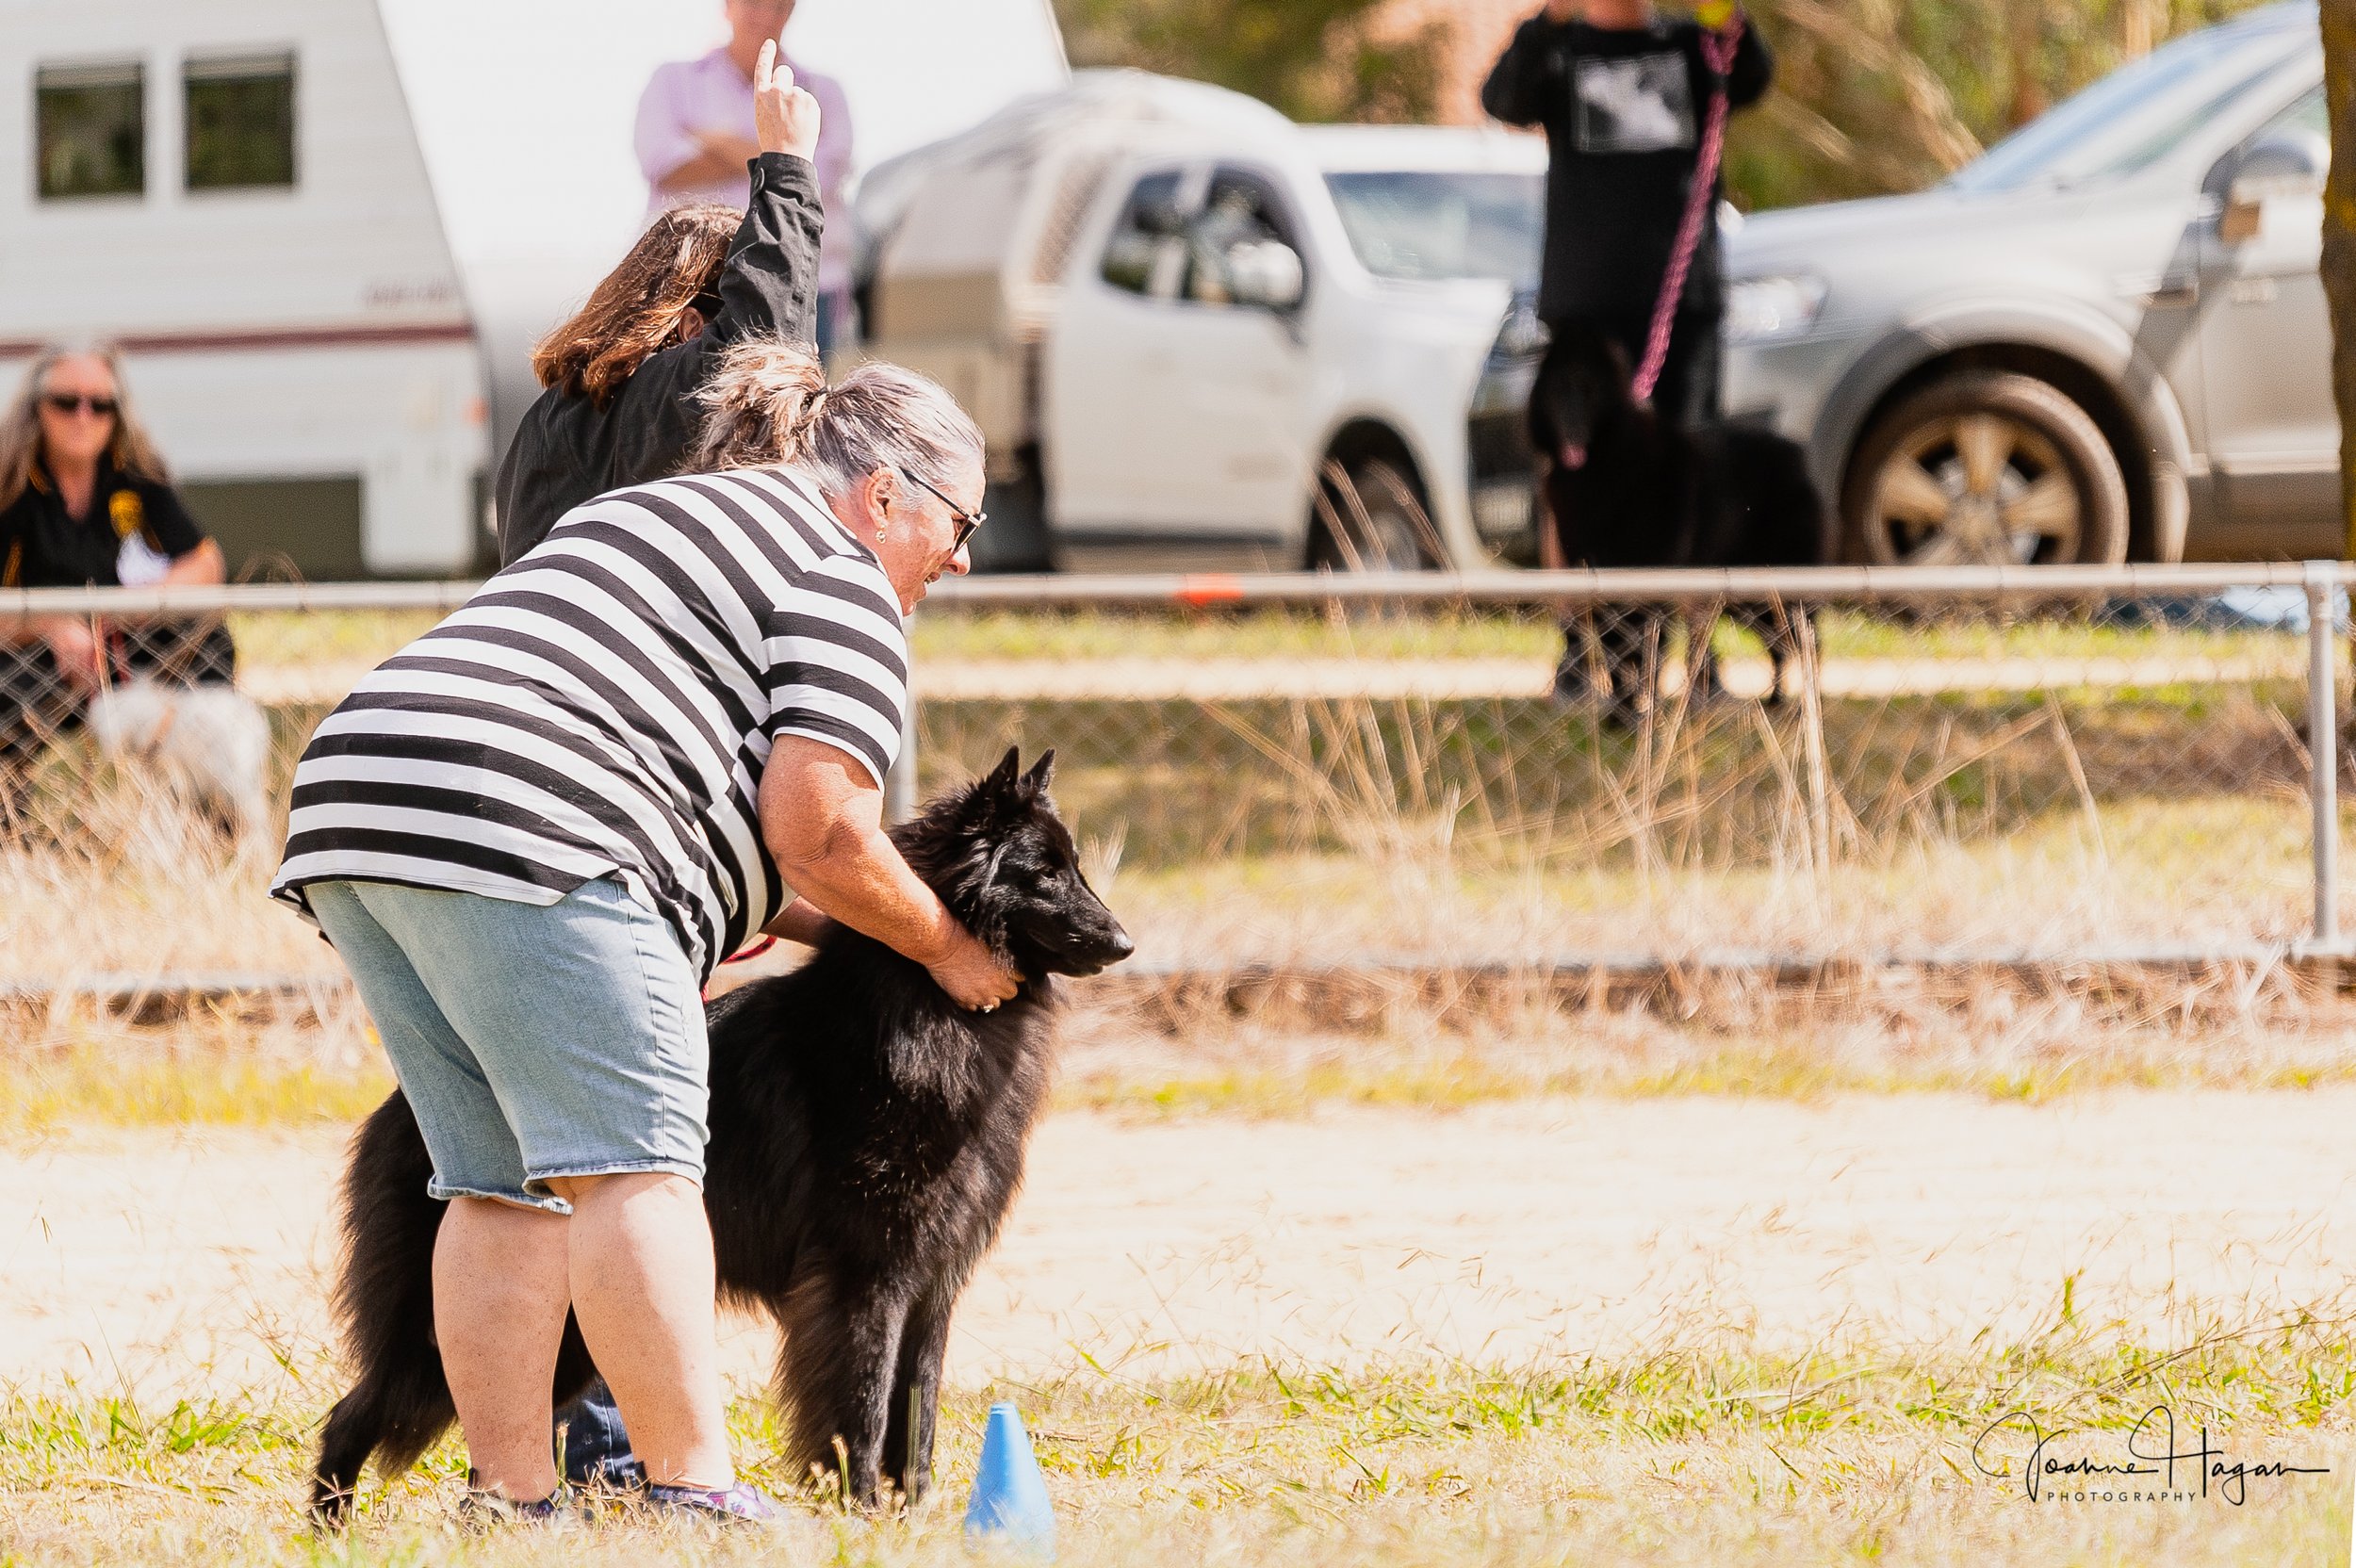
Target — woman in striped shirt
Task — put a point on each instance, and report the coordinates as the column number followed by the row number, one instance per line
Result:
column 532, row 834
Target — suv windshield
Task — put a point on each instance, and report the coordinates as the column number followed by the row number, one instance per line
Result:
column 1425, row 226
column 2139, row 113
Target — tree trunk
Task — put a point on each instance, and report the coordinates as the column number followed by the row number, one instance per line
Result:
column 2025, row 25
column 2339, row 236
column 2140, row 24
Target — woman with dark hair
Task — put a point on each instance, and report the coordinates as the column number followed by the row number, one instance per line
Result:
column 622, row 374
column 85, row 501
column 622, row 377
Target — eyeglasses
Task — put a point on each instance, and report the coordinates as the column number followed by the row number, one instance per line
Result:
column 967, row 521
column 73, row 403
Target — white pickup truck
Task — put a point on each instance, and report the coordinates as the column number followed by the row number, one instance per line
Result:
column 1200, row 337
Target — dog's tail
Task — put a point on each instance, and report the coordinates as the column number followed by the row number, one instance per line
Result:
column 384, row 1297
column 396, row 1421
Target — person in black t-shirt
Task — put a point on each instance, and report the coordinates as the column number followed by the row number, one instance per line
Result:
column 85, row 502
column 1623, row 94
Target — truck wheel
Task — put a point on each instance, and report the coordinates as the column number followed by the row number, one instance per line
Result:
column 1370, row 519
column 1986, row 468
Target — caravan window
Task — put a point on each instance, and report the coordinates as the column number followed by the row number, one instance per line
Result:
column 90, row 130
column 241, row 122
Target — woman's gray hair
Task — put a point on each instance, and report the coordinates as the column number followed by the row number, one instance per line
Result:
column 767, row 404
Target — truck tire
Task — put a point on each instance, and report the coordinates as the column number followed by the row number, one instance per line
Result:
column 1985, row 467
column 1368, row 519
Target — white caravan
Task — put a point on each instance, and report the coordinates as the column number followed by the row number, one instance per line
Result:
column 1200, row 337
column 327, row 232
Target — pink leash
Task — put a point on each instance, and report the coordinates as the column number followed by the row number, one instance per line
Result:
column 1718, row 49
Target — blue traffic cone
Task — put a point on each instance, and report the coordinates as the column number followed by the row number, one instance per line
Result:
column 1009, row 1504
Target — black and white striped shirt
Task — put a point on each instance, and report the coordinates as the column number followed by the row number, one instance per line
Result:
column 605, row 707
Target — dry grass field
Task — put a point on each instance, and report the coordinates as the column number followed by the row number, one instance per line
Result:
column 1742, row 1279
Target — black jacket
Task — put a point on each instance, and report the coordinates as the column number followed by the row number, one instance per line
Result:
column 568, row 449
column 1623, row 109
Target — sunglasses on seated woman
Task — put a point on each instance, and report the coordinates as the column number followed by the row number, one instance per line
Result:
column 73, row 403
column 967, row 521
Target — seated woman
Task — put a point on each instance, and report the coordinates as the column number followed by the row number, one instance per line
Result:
column 85, row 502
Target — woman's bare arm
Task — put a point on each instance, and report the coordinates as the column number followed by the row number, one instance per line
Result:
column 202, row 565
column 801, row 921
column 822, row 818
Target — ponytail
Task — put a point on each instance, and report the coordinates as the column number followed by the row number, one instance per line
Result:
column 760, row 406
column 767, row 404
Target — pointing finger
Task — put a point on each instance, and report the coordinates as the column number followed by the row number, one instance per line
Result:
column 763, row 76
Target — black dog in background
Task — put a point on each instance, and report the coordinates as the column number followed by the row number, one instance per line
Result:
column 867, row 1137
column 1628, row 488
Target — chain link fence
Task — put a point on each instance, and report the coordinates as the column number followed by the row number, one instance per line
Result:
column 1519, row 771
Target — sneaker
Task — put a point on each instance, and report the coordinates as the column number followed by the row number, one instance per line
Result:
column 486, row 1509
column 728, row 1504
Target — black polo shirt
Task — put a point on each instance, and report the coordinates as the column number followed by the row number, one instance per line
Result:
column 133, row 526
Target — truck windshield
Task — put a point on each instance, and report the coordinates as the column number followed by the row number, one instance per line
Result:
column 2138, row 114
column 1430, row 225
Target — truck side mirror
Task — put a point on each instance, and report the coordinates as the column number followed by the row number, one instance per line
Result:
column 2286, row 166
column 1266, row 274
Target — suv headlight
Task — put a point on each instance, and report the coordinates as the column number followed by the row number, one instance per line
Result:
column 1759, row 310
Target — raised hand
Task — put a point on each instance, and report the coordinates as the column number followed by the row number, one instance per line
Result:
column 785, row 117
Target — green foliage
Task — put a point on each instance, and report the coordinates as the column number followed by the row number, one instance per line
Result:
column 1875, row 96
column 1314, row 60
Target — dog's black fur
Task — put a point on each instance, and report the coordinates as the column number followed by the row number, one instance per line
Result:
column 867, row 1137
column 1627, row 487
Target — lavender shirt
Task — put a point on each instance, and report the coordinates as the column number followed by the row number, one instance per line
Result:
column 711, row 94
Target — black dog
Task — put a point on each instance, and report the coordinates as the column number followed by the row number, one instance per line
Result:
column 1628, row 488
column 867, row 1137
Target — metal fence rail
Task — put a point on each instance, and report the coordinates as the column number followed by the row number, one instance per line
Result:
column 1494, row 771
column 1882, row 584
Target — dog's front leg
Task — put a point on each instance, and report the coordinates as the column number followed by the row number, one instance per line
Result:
column 908, row 1452
column 840, row 1356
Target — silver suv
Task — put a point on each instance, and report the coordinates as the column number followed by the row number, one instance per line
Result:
column 2104, row 340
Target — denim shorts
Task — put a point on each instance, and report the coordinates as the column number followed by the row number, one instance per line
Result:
column 532, row 1042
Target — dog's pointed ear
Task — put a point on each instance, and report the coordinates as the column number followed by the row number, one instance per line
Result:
column 1002, row 777
column 1041, row 771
